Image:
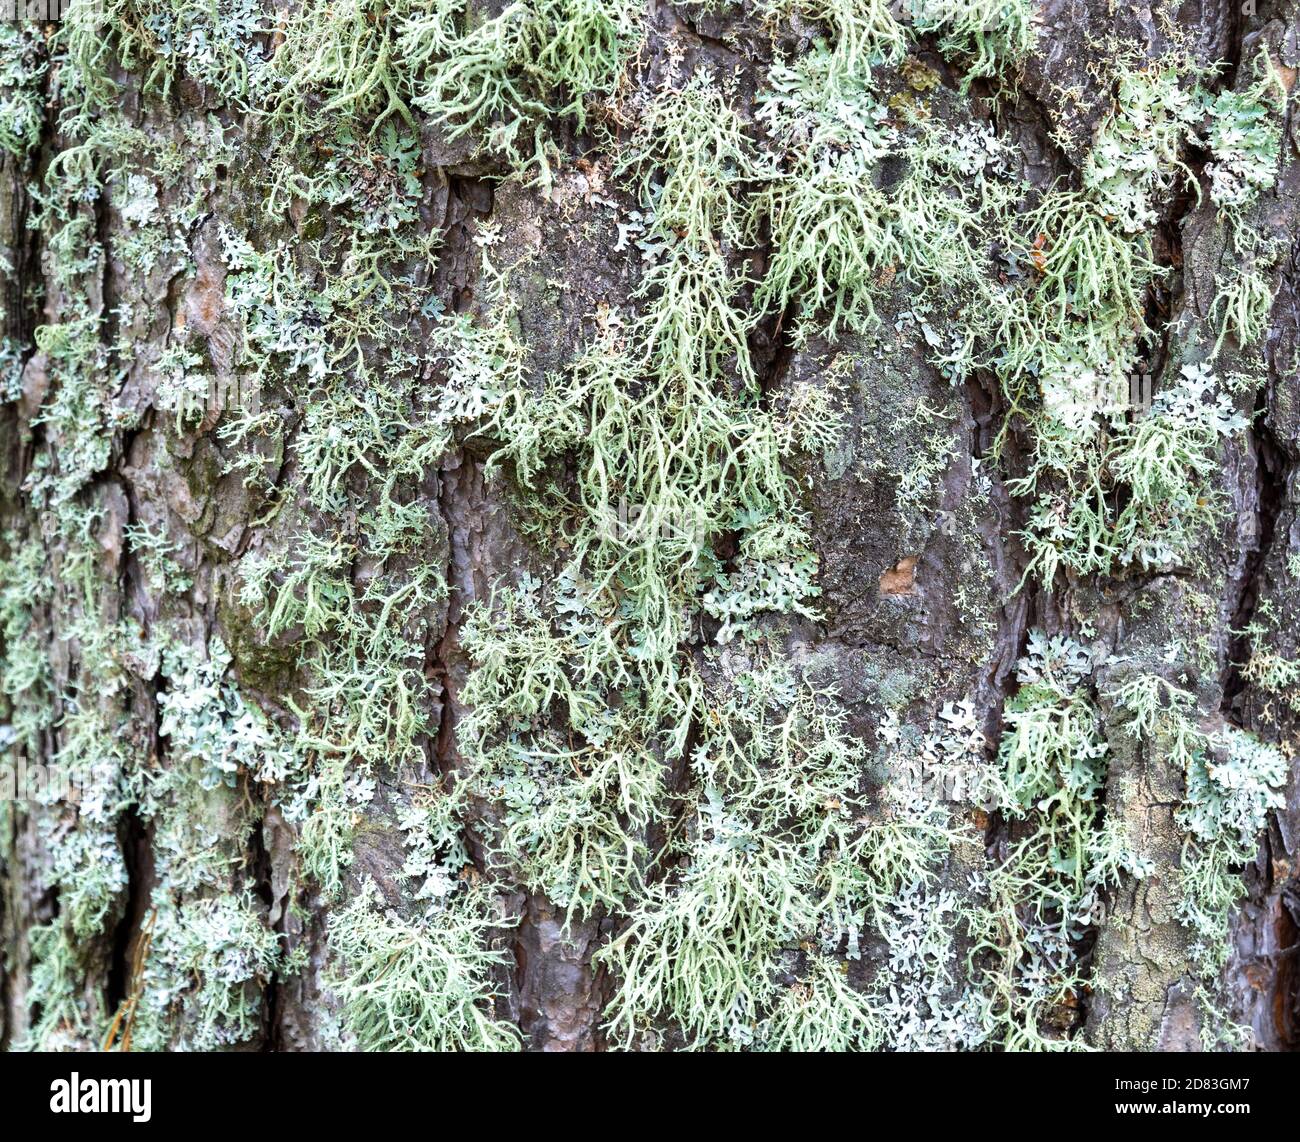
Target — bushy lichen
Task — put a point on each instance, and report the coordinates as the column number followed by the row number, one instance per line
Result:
column 1232, row 781
column 506, row 74
column 208, row 962
column 638, row 737
column 775, row 796
column 1052, row 760
column 423, row 985
column 22, row 68
column 988, row 35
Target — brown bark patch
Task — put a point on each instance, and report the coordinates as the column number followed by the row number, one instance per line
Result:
column 900, row 579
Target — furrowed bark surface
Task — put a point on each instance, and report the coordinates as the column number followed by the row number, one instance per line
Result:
column 928, row 590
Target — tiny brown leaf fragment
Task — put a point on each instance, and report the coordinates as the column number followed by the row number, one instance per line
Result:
column 900, row 579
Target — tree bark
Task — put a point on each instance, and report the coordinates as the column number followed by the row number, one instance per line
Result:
column 212, row 200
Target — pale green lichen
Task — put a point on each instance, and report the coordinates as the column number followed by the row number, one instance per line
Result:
column 1231, row 783
column 207, row 965
column 774, row 800
column 766, row 899
column 504, row 75
column 1044, row 895
column 22, row 68
column 418, row 985
column 988, row 35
